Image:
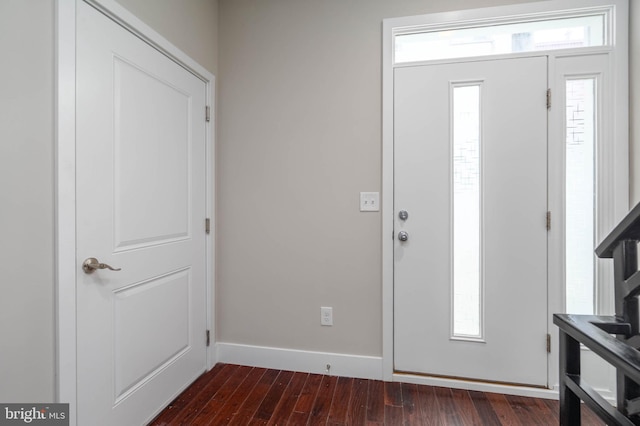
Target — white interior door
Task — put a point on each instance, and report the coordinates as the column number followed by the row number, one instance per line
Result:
column 140, row 207
column 470, row 166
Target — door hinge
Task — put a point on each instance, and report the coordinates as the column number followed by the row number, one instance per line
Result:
column 207, row 225
column 548, row 343
column 207, row 113
column 208, row 338
column 548, row 221
column 548, row 98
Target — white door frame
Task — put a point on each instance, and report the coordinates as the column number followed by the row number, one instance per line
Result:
column 65, row 185
column 619, row 179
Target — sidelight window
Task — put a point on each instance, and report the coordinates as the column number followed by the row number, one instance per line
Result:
column 580, row 198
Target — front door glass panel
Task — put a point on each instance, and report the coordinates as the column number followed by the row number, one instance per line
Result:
column 467, row 281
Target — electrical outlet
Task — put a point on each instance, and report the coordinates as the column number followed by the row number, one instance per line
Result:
column 326, row 316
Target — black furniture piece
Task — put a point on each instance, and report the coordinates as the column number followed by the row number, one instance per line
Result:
column 597, row 333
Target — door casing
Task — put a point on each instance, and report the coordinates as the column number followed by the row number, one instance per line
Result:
column 617, row 122
column 65, row 185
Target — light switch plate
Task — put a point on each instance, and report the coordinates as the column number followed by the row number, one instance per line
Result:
column 369, row 201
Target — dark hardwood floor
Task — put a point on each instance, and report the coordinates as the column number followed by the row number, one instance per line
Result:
column 238, row 395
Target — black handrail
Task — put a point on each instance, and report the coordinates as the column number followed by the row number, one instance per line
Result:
column 595, row 332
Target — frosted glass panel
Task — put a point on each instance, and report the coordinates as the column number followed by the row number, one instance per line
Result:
column 566, row 33
column 466, row 212
column 580, row 196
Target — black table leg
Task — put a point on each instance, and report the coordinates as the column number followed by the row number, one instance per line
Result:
column 569, row 364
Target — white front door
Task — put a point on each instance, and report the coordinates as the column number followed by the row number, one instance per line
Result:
column 470, row 166
column 141, row 208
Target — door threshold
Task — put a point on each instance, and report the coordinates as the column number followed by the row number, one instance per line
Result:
column 535, row 391
column 466, row 379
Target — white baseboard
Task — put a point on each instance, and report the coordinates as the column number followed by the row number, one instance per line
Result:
column 358, row 366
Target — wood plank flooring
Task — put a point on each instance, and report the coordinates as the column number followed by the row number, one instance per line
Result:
column 239, row 395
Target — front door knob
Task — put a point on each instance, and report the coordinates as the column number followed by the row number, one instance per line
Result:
column 403, row 235
column 403, row 215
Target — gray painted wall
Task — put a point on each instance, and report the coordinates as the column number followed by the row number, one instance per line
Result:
column 299, row 137
column 26, row 200
column 299, row 84
column 634, row 101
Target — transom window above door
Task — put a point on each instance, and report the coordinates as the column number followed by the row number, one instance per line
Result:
column 427, row 44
